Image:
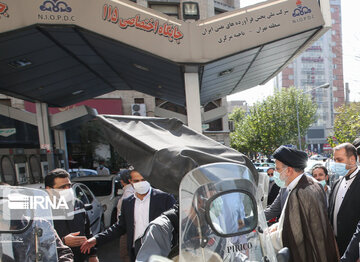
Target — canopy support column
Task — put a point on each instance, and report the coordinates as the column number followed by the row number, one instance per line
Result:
column 192, row 94
column 42, row 118
column 60, row 143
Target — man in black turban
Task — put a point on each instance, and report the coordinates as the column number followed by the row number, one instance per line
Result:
column 303, row 226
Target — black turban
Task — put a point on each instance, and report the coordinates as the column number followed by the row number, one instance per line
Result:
column 291, row 157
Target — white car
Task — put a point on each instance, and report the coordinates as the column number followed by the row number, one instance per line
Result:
column 76, row 172
column 107, row 189
column 92, row 206
column 318, row 157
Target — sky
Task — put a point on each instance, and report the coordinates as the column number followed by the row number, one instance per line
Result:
column 351, row 56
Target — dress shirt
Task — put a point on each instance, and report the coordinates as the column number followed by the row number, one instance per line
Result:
column 276, row 236
column 141, row 215
column 344, row 186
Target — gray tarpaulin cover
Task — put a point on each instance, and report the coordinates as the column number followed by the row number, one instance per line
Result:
column 163, row 150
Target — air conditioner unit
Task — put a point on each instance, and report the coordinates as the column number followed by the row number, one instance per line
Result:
column 138, row 109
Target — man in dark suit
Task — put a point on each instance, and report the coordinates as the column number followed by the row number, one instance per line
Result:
column 137, row 211
column 344, row 202
column 273, row 187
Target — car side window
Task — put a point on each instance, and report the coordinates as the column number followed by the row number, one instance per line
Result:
column 88, row 194
column 81, row 195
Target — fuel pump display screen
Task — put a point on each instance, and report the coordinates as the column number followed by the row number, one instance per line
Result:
column 21, row 173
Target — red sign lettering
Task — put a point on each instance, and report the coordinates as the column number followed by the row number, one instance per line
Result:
column 172, row 32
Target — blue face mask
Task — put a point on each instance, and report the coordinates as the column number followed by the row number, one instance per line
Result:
column 338, row 168
column 323, row 183
column 271, row 178
column 278, row 180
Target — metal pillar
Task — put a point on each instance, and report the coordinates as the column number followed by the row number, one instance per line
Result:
column 60, row 143
column 42, row 118
column 192, row 93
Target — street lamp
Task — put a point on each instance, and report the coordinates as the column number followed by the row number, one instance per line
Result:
column 297, row 108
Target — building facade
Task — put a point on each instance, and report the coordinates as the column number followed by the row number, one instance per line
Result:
column 321, row 63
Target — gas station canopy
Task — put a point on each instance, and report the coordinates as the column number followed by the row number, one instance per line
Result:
column 64, row 52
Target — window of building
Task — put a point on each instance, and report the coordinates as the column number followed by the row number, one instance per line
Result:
column 168, row 9
column 6, row 102
column 218, row 11
column 139, row 101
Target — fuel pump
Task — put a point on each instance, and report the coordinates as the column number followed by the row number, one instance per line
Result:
column 44, row 163
column 59, row 158
column 21, row 166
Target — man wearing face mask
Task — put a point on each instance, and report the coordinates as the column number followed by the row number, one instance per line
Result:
column 303, row 226
column 320, row 173
column 344, row 202
column 137, row 211
column 102, row 170
column 76, row 231
column 273, row 187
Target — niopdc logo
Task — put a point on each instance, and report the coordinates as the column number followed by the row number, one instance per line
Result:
column 55, row 6
column 20, row 201
column 300, row 10
column 3, row 10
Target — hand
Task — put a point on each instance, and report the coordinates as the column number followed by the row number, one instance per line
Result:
column 87, row 245
column 273, row 228
column 241, row 223
column 74, row 240
column 93, row 259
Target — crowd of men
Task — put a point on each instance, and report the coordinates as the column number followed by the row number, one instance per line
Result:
column 315, row 221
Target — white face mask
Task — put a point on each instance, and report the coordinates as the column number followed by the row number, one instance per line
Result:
column 141, row 187
column 67, row 194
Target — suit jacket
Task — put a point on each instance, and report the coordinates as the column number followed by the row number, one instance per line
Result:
column 352, row 252
column 349, row 212
column 276, row 207
column 80, row 223
column 159, row 202
column 273, row 192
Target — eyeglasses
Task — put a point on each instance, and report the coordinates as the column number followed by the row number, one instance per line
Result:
column 66, row 186
column 270, row 174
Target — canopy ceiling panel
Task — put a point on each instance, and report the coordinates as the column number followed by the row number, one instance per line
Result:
column 64, row 52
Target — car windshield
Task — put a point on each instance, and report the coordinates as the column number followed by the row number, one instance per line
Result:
column 99, row 188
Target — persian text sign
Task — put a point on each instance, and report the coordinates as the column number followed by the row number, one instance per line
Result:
column 172, row 32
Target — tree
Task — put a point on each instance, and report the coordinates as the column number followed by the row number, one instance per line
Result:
column 273, row 122
column 346, row 124
column 237, row 115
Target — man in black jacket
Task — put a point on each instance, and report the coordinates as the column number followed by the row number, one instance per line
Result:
column 137, row 211
column 76, row 231
column 344, row 201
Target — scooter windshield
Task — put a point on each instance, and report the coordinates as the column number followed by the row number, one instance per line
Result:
column 24, row 233
column 219, row 215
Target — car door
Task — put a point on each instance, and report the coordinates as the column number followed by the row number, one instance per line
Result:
column 81, row 195
column 96, row 212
